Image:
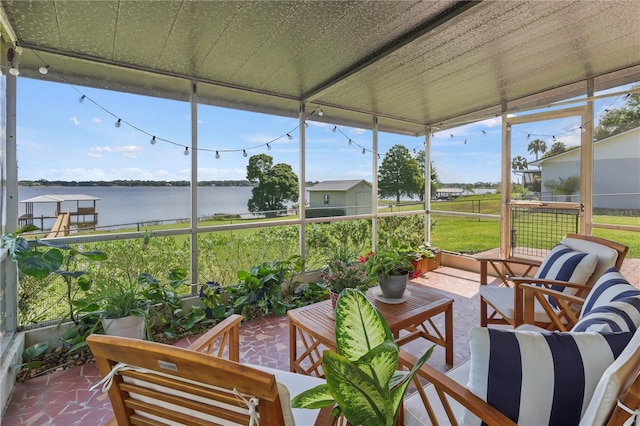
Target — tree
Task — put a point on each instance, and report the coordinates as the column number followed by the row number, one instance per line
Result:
column 537, row 146
column 619, row 120
column 275, row 184
column 399, row 174
column 519, row 163
column 567, row 186
column 434, row 175
column 557, row 148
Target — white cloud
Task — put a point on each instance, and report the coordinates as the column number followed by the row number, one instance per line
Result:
column 96, row 120
column 75, row 121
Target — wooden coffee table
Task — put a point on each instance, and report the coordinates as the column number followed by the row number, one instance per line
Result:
column 408, row 321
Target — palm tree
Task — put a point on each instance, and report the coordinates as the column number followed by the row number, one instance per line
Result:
column 519, row 163
column 536, row 147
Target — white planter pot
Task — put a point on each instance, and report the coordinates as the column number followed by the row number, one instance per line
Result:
column 131, row 326
column 393, row 287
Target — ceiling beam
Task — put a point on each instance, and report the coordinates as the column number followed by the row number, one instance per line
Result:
column 389, row 48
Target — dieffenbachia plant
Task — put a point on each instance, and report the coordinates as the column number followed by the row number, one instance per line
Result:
column 361, row 377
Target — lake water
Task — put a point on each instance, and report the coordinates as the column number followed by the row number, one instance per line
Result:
column 120, row 205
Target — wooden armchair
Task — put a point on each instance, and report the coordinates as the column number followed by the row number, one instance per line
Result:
column 503, row 304
column 444, row 399
column 154, row 383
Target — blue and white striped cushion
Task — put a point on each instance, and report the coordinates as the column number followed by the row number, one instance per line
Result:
column 539, row 378
column 612, row 305
column 609, row 287
column 616, row 316
column 565, row 264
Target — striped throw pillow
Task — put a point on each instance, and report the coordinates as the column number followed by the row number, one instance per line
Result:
column 612, row 305
column 538, row 378
column 565, row 264
column 609, row 287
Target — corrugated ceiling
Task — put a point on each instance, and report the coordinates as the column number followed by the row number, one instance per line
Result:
column 411, row 63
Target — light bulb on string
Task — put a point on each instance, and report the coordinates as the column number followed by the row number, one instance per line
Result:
column 528, row 136
column 582, row 129
column 217, row 155
column 118, row 123
column 19, row 49
column 81, row 100
column 13, row 70
column 186, row 150
column 334, row 129
column 350, row 141
column 363, row 151
column 484, row 132
column 244, row 153
column 153, row 140
column 289, row 136
column 268, row 147
column 321, row 112
column 44, row 70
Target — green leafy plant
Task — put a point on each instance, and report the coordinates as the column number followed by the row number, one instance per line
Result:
column 166, row 302
column 361, row 376
column 40, row 259
column 338, row 275
column 261, row 287
column 394, row 261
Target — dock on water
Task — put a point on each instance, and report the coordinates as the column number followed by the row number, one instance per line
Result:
column 85, row 214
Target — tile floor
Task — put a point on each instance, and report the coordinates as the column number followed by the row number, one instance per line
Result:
column 64, row 398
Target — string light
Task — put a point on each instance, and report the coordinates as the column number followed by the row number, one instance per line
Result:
column 19, row 49
column 334, row 129
column 321, row 112
column 186, row 150
column 118, row 123
column 363, row 151
column 289, row 136
column 244, row 153
column 13, row 70
column 153, row 140
column 350, row 142
column 44, row 70
column 268, row 146
column 217, row 155
column 81, row 100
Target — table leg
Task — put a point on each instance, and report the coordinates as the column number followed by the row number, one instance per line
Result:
column 448, row 324
column 293, row 349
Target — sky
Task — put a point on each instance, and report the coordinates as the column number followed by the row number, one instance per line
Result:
column 61, row 138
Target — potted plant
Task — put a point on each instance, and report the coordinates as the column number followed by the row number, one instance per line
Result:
column 361, row 376
column 391, row 268
column 125, row 310
column 338, row 275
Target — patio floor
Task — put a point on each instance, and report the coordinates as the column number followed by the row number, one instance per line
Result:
column 64, row 398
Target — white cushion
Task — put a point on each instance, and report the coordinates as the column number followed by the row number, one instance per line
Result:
column 606, row 255
column 294, row 384
column 615, row 379
column 539, row 378
column 501, row 298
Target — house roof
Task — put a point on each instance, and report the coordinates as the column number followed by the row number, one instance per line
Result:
column 412, row 64
column 572, row 150
column 59, row 198
column 336, row 185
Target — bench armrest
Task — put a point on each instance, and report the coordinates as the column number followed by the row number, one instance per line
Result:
column 445, row 385
column 225, row 334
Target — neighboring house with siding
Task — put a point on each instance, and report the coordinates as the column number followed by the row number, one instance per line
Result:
column 353, row 196
column 615, row 172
